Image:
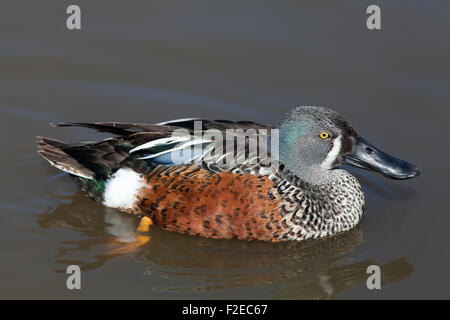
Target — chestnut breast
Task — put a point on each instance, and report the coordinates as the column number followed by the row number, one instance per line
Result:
column 193, row 200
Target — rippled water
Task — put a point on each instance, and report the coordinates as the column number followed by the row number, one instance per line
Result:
column 159, row 60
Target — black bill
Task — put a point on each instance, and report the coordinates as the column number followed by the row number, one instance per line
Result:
column 366, row 156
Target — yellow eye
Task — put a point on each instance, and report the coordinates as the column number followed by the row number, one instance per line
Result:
column 324, row 135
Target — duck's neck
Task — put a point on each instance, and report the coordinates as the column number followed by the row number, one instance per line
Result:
column 314, row 175
column 320, row 204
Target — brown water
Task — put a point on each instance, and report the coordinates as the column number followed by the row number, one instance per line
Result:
column 158, row 60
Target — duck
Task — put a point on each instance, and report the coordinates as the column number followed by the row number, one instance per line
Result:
column 173, row 175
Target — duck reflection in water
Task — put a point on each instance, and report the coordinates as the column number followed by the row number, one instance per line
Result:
column 318, row 268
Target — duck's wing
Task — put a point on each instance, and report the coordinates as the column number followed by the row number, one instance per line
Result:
column 218, row 145
column 191, row 124
column 143, row 146
column 118, row 128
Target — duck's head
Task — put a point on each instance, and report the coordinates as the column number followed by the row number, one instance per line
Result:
column 314, row 139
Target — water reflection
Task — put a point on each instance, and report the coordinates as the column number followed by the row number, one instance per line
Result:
column 309, row 269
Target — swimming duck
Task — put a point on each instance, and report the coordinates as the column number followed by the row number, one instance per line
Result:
column 155, row 172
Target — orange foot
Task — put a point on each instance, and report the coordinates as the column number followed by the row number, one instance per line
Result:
column 144, row 226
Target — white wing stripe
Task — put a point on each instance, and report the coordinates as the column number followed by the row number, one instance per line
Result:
column 176, row 121
column 160, row 142
column 180, row 147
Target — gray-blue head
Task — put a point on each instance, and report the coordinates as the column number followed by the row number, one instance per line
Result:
column 316, row 139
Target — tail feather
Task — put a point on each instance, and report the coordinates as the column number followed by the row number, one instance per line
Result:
column 52, row 151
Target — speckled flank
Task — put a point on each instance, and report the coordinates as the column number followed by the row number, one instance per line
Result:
column 192, row 200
